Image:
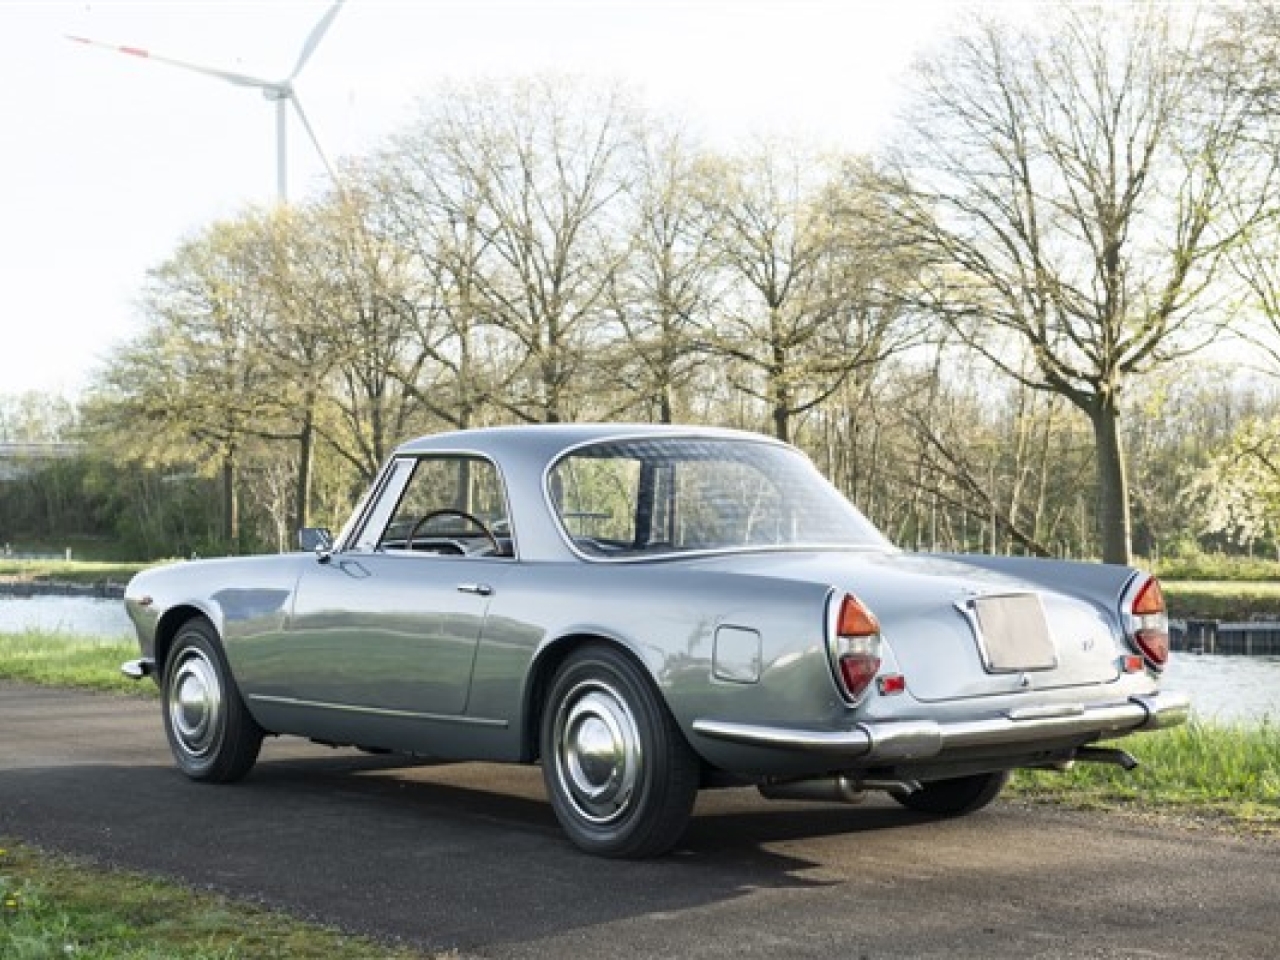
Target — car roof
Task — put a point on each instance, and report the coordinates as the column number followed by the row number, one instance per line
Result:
column 525, row 452
column 545, row 441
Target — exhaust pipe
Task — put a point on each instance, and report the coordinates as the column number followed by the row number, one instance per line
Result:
column 838, row 789
column 1121, row 758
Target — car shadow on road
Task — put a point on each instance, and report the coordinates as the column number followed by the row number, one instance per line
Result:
column 444, row 856
column 732, row 822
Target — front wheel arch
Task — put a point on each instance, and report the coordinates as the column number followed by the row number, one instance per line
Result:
column 211, row 734
column 167, row 629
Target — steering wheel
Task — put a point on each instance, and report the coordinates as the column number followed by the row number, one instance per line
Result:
column 450, row 512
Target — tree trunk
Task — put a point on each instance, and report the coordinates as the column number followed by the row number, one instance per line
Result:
column 302, row 492
column 782, row 419
column 230, row 505
column 1115, row 529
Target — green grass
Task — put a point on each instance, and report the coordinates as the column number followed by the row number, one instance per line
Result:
column 1226, row 773
column 1214, row 566
column 62, row 660
column 55, row 907
column 1222, row 599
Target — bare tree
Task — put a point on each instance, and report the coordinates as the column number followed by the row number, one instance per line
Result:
column 661, row 295
column 1246, row 64
column 807, row 305
column 434, row 210
column 364, row 281
column 1003, row 456
column 1069, row 184
column 536, row 165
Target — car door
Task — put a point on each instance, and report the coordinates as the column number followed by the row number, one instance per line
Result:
column 390, row 632
column 388, row 627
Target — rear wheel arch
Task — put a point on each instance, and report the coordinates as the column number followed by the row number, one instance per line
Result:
column 546, row 664
column 619, row 772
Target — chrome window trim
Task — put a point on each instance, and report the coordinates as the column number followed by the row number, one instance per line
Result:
column 396, row 479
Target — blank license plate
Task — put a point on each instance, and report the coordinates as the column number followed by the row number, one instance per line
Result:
column 1013, row 633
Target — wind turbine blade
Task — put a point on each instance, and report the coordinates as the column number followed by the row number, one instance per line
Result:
column 306, row 124
column 239, row 79
column 317, row 34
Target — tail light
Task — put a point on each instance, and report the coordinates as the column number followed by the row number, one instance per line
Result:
column 854, row 646
column 1147, row 622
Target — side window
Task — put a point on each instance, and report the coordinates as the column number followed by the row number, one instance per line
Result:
column 596, row 499
column 451, row 506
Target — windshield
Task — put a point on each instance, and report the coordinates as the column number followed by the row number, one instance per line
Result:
column 630, row 498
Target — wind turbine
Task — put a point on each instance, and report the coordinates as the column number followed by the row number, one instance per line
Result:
column 281, row 92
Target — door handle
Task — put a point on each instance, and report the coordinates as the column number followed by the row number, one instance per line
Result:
column 479, row 589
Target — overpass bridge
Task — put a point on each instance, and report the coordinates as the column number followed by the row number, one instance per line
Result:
column 18, row 458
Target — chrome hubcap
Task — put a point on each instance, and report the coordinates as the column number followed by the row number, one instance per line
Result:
column 598, row 754
column 195, row 703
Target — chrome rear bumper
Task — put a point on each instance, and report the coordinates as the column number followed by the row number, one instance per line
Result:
column 922, row 739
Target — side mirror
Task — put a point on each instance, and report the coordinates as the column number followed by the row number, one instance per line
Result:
column 315, row 539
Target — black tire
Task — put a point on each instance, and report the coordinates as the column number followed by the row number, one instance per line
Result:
column 211, row 733
column 621, row 777
column 954, row 798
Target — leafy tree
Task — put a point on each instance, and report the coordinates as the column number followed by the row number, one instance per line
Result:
column 36, row 417
column 192, row 386
column 1237, row 494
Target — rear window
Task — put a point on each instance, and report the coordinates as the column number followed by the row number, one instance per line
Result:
column 646, row 497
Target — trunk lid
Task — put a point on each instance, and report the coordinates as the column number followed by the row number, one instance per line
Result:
column 960, row 629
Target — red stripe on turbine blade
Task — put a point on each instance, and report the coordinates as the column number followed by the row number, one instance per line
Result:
column 134, row 51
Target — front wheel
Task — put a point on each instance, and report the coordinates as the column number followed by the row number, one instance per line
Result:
column 210, row 731
column 955, row 797
column 621, row 777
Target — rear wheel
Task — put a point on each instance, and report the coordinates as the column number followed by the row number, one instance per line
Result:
column 952, row 798
column 210, row 731
column 620, row 775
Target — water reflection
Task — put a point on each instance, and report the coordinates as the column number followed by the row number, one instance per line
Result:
column 91, row 617
column 1227, row 689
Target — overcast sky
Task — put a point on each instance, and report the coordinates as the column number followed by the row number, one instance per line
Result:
column 107, row 161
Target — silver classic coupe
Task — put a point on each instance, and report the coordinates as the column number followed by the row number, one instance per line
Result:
column 646, row 611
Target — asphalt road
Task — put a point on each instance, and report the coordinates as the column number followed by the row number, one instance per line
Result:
column 469, row 857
